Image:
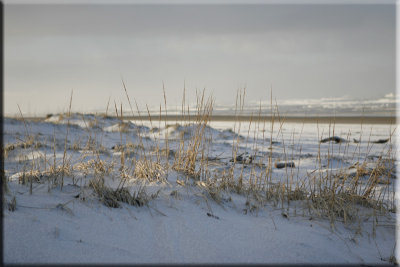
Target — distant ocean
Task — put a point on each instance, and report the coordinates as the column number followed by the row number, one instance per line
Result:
column 385, row 106
column 328, row 107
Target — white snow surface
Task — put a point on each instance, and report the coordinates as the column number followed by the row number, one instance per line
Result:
column 183, row 224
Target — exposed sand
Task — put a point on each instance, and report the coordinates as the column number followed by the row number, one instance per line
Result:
column 299, row 119
column 296, row 119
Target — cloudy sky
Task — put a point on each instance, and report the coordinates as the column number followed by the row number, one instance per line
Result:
column 302, row 51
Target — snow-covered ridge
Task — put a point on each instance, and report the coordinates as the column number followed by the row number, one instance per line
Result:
column 111, row 124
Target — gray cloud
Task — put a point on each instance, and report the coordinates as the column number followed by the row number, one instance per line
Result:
column 38, row 20
column 304, row 51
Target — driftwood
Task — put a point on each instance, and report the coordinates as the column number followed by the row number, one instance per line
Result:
column 380, row 141
column 243, row 159
column 280, row 165
column 212, row 215
column 336, row 139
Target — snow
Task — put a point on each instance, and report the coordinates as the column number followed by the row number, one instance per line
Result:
column 93, row 233
column 183, row 224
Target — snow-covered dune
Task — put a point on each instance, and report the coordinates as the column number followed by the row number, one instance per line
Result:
column 92, row 189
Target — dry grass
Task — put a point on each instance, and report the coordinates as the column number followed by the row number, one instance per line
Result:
column 29, row 142
column 97, row 166
column 112, row 197
column 187, row 157
column 149, row 170
column 333, row 195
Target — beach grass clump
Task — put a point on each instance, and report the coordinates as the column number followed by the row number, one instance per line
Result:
column 129, row 150
column 149, row 170
column 113, row 197
column 37, row 176
column 344, row 205
column 212, row 189
column 76, row 146
column 95, row 166
column 7, row 148
column 187, row 156
column 92, row 145
column 29, row 142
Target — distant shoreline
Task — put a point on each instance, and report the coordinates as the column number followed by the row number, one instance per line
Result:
column 227, row 118
column 298, row 119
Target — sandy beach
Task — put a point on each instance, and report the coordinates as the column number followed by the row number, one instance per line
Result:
column 297, row 119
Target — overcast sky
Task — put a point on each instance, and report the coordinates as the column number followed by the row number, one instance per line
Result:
column 303, row 51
